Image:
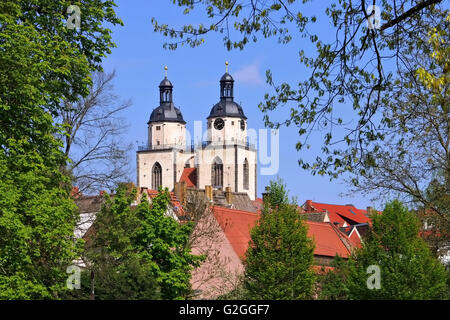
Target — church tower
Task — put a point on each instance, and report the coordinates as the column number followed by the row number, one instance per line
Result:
column 226, row 161
column 226, row 121
column 166, row 127
column 157, row 162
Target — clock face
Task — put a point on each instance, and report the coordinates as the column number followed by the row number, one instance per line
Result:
column 242, row 125
column 219, row 124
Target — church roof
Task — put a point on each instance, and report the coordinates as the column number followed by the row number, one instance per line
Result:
column 165, row 83
column 227, row 108
column 226, row 77
column 166, row 113
column 189, row 176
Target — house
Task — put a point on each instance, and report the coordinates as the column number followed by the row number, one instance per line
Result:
column 220, row 274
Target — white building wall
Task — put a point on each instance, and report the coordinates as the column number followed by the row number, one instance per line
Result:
column 169, row 133
column 146, row 160
column 228, row 157
column 231, row 131
column 251, row 157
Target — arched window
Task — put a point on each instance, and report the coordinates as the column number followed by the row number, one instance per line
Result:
column 246, row 174
column 217, row 173
column 156, row 176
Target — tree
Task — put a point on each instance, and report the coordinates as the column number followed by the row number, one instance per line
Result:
column 351, row 77
column 332, row 284
column 138, row 252
column 416, row 153
column 122, row 270
column 93, row 138
column 408, row 269
column 41, row 63
column 279, row 259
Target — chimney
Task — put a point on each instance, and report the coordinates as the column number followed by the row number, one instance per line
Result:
column 209, row 193
column 177, row 190
column 228, row 195
column 369, row 210
column 264, row 195
column 308, row 206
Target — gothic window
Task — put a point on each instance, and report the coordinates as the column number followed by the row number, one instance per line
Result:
column 217, row 173
column 156, row 176
column 246, row 174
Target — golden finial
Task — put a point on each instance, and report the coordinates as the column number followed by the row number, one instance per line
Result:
column 226, row 66
column 165, row 68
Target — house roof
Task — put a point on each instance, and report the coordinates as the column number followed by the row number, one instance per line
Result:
column 237, row 224
column 329, row 241
column 339, row 213
column 189, row 176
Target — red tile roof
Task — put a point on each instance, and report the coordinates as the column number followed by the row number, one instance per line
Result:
column 355, row 238
column 189, row 176
column 237, row 224
column 329, row 241
column 338, row 213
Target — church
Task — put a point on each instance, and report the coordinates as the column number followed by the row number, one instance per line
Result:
column 225, row 161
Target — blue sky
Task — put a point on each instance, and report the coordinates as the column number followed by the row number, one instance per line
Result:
column 139, row 61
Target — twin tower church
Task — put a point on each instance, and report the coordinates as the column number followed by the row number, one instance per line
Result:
column 225, row 161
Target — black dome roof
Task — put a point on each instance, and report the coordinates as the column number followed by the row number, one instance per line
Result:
column 167, row 113
column 165, row 83
column 227, row 108
column 226, row 77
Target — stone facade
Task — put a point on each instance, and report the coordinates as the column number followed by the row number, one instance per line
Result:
column 224, row 160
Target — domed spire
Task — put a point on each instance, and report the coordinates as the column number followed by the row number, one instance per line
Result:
column 165, row 90
column 226, row 107
column 166, row 112
column 226, row 85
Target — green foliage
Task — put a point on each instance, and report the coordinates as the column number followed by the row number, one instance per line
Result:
column 277, row 195
column 279, row 259
column 333, row 284
column 351, row 76
column 408, row 269
column 139, row 252
column 42, row 62
column 37, row 221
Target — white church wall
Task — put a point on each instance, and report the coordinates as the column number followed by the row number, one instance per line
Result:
column 169, row 133
column 146, row 160
column 251, row 157
column 231, row 131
